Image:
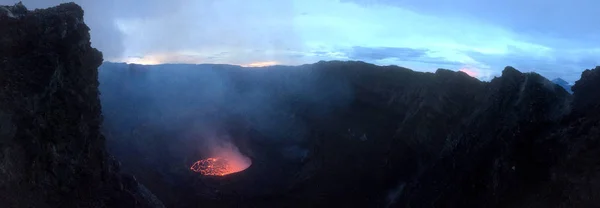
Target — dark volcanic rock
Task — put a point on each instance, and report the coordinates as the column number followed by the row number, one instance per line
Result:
column 51, row 149
column 575, row 178
column 501, row 150
column 586, row 91
column 367, row 136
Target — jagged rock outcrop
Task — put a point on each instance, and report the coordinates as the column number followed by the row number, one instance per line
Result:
column 501, row 151
column 575, row 177
column 587, row 96
column 52, row 153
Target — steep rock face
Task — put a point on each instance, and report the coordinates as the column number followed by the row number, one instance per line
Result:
column 446, row 140
column 385, row 134
column 586, row 92
column 52, row 153
column 575, row 179
column 501, row 151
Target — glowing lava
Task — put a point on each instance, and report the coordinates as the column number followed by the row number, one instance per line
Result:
column 215, row 167
column 228, row 160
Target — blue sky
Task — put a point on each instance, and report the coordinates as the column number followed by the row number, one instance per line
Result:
column 554, row 38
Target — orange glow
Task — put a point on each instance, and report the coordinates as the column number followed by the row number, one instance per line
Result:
column 260, row 64
column 180, row 57
column 143, row 61
column 228, row 160
column 216, row 167
column 469, row 72
column 184, row 58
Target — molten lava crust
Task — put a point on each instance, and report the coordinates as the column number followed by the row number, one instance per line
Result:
column 216, row 166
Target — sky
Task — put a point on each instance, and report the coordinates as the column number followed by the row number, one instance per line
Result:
column 556, row 38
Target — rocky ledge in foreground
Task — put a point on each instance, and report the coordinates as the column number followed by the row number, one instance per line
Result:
column 52, row 153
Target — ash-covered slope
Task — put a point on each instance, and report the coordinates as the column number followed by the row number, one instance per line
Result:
column 52, row 151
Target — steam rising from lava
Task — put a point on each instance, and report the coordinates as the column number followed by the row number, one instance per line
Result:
column 226, row 160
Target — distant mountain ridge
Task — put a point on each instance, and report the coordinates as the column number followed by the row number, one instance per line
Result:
column 564, row 84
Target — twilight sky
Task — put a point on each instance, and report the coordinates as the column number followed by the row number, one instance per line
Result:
column 556, row 38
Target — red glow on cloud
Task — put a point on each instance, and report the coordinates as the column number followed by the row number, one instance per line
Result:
column 260, row 64
column 469, row 72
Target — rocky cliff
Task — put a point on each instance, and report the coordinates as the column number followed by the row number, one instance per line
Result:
column 52, row 153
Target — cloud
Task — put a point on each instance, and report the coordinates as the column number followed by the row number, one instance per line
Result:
column 378, row 53
column 552, row 37
column 214, row 27
column 375, row 54
column 558, row 19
